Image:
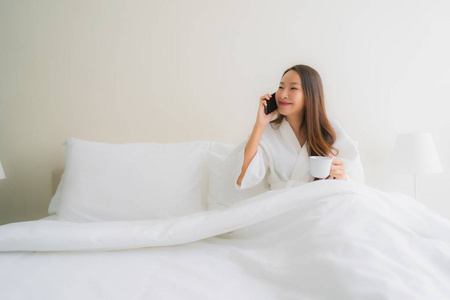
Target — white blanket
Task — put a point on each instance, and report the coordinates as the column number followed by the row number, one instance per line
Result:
column 321, row 240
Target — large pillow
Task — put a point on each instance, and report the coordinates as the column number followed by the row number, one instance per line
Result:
column 222, row 191
column 135, row 181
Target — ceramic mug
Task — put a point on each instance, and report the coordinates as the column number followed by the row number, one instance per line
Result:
column 320, row 166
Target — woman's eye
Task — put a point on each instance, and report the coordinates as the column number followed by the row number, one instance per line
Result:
column 294, row 88
column 280, row 88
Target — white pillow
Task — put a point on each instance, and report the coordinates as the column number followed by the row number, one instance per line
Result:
column 221, row 189
column 55, row 203
column 135, row 181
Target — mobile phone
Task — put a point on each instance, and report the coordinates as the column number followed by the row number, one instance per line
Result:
column 271, row 105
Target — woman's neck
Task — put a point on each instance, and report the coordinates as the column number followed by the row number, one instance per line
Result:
column 295, row 122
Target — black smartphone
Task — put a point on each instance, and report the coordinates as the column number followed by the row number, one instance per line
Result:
column 271, row 105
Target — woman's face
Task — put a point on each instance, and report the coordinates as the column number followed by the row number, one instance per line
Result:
column 289, row 96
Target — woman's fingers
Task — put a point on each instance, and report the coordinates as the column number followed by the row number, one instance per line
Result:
column 264, row 98
column 337, row 162
column 337, row 169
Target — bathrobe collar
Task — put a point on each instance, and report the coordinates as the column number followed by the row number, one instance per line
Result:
column 289, row 135
column 300, row 173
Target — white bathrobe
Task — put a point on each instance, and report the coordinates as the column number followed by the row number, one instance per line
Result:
column 283, row 163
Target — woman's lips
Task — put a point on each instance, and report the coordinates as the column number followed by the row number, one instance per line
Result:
column 282, row 103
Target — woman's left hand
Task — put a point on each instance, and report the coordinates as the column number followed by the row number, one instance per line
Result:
column 337, row 170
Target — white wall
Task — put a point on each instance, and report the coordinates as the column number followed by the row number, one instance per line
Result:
column 172, row 71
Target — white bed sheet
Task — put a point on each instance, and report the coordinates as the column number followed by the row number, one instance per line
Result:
column 322, row 240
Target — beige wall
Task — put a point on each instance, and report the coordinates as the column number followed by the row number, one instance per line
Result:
column 171, row 71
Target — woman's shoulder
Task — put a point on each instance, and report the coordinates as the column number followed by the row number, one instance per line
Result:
column 343, row 140
column 272, row 130
column 336, row 125
column 270, row 133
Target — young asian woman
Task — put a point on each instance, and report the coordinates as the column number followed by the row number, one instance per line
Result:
column 278, row 150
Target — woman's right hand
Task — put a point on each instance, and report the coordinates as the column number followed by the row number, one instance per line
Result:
column 262, row 118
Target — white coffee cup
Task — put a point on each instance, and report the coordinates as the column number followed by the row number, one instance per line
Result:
column 320, row 166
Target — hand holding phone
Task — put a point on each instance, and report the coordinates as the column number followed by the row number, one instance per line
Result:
column 271, row 105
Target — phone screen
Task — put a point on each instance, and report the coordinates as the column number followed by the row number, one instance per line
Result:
column 271, row 105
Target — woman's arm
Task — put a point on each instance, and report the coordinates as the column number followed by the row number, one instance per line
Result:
column 349, row 161
column 252, row 145
column 251, row 148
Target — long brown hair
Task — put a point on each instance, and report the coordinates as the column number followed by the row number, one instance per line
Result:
column 319, row 132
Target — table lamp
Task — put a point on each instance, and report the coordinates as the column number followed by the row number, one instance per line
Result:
column 2, row 174
column 415, row 153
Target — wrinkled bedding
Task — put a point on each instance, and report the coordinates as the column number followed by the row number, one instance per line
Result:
column 321, row 240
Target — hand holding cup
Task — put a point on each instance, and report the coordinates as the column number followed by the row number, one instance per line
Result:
column 337, row 170
column 322, row 167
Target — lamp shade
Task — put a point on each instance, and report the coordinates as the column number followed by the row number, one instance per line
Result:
column 415, row 153
column 2, row 174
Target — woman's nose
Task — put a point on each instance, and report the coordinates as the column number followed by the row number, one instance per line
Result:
column 283, row 94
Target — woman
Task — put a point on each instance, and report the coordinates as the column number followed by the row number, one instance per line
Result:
column 279, row 153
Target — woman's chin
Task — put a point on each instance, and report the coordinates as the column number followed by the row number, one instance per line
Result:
column 283, row 113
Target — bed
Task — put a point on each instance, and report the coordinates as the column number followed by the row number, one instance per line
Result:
column 163, row 221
